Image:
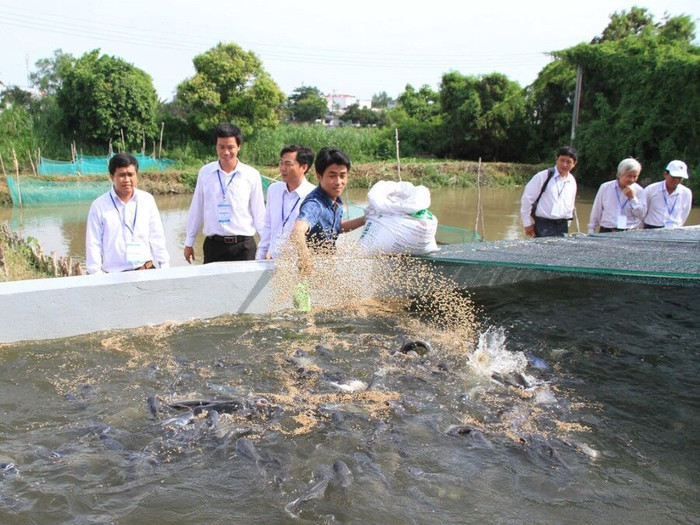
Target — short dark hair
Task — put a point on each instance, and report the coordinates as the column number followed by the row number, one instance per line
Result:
column 305, row 155
column 122, row 160
column 567, row 151
column 225, row 130
column 328, row 156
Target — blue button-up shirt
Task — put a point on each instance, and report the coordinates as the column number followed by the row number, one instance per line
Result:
column 322, row 215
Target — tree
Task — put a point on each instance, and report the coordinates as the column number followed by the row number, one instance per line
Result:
column 361, row 116
column 382, row 100
column 50, row 72
column 307, row 104
column 484, row 116
column 230, row 85
column 101, row 96
column 641, row 98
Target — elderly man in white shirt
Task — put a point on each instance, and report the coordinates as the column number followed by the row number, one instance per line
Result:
column 227, row 203
column 124, row 229
column 284, row 199
column 620, row 204
column 668, row 201
column 547, row 204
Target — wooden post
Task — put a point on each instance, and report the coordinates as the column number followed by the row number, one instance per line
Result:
column 160, row 145
column 31, row 162
column 398, row 157
column 19, row 191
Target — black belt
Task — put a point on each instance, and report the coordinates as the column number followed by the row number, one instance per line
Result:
column 230, row 239
column 651, row 226
column 553, row 221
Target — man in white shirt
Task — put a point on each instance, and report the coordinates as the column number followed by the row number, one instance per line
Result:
column 284, row 199
column 227, row 204
column 669, row 201
column 620, row 204
column 550, row 196
column 124, row 230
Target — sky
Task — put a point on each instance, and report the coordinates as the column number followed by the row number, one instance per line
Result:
column 358, row 47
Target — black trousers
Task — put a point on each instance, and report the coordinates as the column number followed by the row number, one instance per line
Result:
column 233, row 248
column 551, row 227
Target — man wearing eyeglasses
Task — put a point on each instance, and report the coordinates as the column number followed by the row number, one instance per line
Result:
column 227, row 204
column 284, row 199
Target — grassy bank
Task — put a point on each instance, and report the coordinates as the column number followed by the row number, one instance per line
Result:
column 430, row 173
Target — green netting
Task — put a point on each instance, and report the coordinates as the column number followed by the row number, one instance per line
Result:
column 647, row 255
column 35, row 192
column 96, row 165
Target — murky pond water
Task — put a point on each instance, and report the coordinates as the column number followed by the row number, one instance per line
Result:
column 576, row 402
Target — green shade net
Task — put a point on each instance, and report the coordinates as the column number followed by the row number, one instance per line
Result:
column 96, row 165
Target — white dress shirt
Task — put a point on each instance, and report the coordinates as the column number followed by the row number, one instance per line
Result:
column 611, row 205
column 557, row 201
column 117, row 232
column 241, row 189
column 667, row 210
column 281, row 212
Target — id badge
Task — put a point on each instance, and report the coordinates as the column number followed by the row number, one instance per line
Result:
column 133, row 252
column 621, row 222
column 223, row 211
column 670, row 223
column 556, row 210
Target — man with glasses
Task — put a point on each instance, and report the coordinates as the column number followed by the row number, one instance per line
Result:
column 227, row 203
column 284, row 199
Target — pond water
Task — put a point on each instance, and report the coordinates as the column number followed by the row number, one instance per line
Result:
column 569, row 401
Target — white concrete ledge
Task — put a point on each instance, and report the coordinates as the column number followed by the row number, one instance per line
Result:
column 68, row 306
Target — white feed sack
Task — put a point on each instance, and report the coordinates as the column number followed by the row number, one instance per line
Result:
column 391, row 226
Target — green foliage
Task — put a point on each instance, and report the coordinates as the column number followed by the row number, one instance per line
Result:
column 382, row 100
column 641, row 98
column 550, row 101
column 50, row 72
column 362, row 145
column 307, row 104
column 101, row 96
column 363, row 116
column 484, row 116
column 230, row 85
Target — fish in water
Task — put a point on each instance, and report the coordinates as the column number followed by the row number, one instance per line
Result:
column 345, row 384
column 246, row 449
column 418, row 347
column 153, row 405
column 515, row 379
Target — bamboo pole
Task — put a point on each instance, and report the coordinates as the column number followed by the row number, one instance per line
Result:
column 123, row 141
column 19, row 191
column 398, row 157
column 160, row 145
column 31, row 162
column 3, row 166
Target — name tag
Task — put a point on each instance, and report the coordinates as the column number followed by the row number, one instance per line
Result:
column 133, row 252
column 223, row 211
column 621, row 222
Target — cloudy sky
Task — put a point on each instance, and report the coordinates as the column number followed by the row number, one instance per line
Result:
column 357, row 47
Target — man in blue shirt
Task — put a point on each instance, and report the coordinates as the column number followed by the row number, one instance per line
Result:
column 320, row 216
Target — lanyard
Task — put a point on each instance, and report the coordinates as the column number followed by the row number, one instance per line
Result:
column 221, row 184
column 619, row 201
column 124, row 224
column 284, row 221
column 561, row 188
column 670, row 211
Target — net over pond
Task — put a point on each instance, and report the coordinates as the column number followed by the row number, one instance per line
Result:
column 648, row 255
